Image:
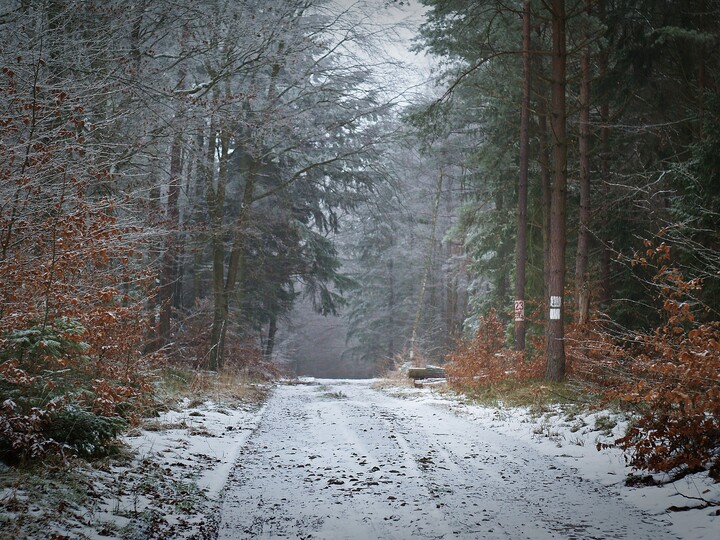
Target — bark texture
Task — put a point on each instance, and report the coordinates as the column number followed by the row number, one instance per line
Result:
column 555, row 370
column 582, row 278
column 521, row 247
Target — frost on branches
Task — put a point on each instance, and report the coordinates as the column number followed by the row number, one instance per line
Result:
column 71, row 288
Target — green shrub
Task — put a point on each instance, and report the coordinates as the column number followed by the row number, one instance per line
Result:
column 48, row 395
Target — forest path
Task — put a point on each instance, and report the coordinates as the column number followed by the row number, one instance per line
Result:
column 339, row 460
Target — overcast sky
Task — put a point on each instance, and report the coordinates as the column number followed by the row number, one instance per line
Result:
column 396, row 26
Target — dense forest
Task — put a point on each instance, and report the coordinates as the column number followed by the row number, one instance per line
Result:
column 180, row 180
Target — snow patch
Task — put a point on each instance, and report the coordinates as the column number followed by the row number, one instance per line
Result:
column 574, row 438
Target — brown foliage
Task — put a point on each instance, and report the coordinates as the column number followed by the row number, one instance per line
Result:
column 669, row 376
column 592, row 355
column 484, row 360
column 71, row 290
column 674, row 378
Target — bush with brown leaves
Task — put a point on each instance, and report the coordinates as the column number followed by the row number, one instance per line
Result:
column 485, row 360
column 673, row 378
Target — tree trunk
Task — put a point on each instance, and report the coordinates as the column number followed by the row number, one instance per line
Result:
column 391, row 313
column 168, row 273
column 220, row 288
column 605, row 255
column 169, row 262
column 541, row 94
column 270, row 343
column 521, row 247
column 454, row 316
column 153, row 210
column 582, row 280
column 218, row 331
column 545, row 187
column 215, row 196
column 426, row 373
column 426, row 270
column 555, row 369
column 198, row 218
column 504, row 255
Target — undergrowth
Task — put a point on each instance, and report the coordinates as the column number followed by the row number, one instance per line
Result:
column 533, row 393
column 125, row 495
column 228, row 387
column 668, row 378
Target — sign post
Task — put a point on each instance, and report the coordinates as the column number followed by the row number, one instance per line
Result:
column 555, row 304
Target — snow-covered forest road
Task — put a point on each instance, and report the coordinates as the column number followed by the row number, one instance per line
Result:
column 341, row 460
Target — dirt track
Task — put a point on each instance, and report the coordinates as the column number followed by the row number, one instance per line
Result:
column 342, row 461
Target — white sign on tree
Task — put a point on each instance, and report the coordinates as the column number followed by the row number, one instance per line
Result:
column 555, row 303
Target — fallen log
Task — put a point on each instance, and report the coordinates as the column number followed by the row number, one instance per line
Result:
column 430, row 372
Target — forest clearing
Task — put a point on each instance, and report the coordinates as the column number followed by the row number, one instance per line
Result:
column 217, row 214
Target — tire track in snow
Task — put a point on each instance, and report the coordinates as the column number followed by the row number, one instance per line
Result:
column 341, row 461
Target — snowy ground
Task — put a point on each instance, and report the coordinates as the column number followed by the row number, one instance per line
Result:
column 571, row 441
column 342, row 459
column 167, row 486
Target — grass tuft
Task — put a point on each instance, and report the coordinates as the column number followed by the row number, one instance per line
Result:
column 228, row 387
column 538, row 395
